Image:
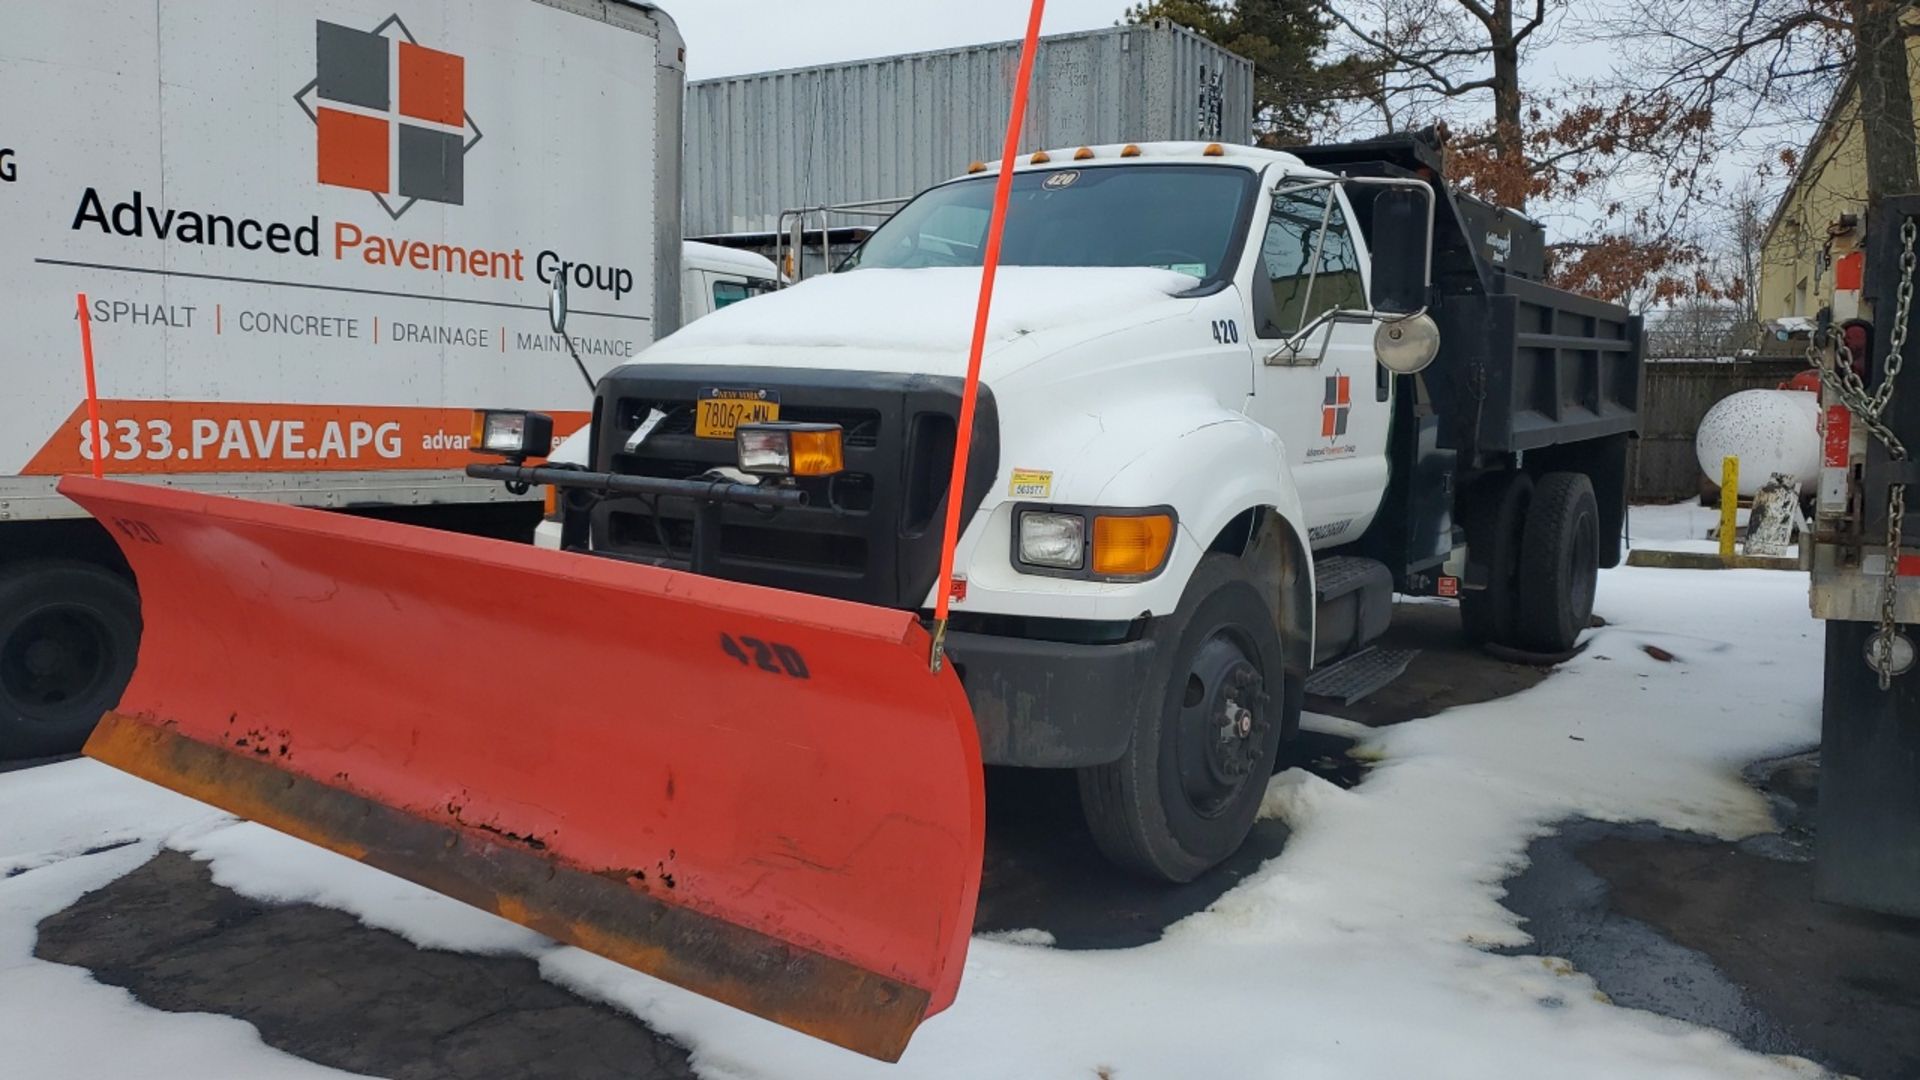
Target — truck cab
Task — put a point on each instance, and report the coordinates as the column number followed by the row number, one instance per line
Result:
column 713, row 277
column 1207, row 451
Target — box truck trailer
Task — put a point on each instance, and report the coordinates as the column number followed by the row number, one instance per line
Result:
column 311, row 238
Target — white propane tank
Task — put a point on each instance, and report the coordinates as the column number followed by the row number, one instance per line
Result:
column 1770, row 431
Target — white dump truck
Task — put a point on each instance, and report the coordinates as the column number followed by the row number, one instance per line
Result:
column 312, row 238
column 1232, row 401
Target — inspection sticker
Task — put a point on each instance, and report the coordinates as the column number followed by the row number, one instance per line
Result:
column 1031, row 484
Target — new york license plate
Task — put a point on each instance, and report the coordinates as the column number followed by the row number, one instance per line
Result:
column 718, row 411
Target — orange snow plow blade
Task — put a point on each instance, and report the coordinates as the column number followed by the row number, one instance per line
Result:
column 761, row 796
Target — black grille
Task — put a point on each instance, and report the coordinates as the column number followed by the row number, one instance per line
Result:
column 869, row 534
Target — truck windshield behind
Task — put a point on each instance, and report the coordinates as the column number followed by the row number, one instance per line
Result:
column 1176, row 217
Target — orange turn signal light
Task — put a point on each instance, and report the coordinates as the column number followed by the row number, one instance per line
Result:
column 818, row 453
column 1131, row 545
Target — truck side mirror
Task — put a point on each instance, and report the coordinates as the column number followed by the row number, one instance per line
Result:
column 557, row 306
column 1402, row 233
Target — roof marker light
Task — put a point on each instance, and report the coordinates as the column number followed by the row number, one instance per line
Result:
column 1129, row 150
column 1041, row 157
column 1083, row 154
column 976, row 167
column 1214, row 149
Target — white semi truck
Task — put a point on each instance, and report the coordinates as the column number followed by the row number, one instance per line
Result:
column 312, row 239
column 1209, row 449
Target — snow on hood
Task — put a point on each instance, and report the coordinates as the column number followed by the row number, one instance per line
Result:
column 932, row 309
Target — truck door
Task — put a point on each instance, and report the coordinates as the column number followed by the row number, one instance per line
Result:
column 1330, row 402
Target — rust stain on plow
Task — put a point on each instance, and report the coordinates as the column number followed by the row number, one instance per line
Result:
column 822, row 996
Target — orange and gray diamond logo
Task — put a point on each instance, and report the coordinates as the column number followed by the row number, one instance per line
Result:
column 389, row 115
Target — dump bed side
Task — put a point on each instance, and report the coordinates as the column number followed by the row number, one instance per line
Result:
column 1522, row 365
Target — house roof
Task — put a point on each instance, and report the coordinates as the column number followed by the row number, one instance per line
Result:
column 1829, row 125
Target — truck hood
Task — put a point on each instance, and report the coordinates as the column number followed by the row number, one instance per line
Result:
column 921, row 321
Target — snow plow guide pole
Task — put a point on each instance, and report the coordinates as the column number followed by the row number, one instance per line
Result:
column 755, row 794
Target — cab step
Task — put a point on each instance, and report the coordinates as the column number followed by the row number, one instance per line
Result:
column 1355, row 677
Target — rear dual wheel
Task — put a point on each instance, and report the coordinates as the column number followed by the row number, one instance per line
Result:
column 1184, row 795
column 1538, row 544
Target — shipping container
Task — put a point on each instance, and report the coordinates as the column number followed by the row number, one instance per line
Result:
column 890, row 127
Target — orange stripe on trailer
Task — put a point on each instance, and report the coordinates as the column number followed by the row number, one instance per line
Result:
column 190, row 437
column 755, row 794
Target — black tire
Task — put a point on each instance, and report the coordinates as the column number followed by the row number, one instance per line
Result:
column 1559, row 563
column 1494, row 513
column 69, row 634
column 1184, row 795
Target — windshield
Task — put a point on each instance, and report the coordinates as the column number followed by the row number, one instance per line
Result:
column 1176, row 217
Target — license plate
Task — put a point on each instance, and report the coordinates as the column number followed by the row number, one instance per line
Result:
column 717, row 412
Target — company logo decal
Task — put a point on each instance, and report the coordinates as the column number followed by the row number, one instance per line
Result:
column 1334, row 410
column 389, row 115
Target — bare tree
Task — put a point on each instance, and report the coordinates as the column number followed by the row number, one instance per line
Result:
column 1451, row 49
column 1633, row 163
column 1759, row 71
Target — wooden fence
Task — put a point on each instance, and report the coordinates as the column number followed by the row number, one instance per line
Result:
column 1661, row 466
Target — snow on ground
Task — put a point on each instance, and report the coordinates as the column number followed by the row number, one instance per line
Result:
column 1685, row 526
column 1358, row 952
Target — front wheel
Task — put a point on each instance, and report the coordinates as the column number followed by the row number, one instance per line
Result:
column 1183, row 796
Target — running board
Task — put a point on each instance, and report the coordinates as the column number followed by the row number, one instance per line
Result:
column 1355, row 677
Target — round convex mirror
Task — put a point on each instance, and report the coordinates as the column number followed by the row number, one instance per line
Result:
column 1407, row 345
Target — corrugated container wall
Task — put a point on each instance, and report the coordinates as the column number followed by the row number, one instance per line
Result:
column 876, row 129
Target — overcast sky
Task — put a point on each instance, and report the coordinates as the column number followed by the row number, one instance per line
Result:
column 732, row 37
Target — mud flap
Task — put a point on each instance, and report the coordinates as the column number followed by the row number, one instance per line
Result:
column 761, row 796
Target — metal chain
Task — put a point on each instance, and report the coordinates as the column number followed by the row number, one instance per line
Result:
column 1867, row 407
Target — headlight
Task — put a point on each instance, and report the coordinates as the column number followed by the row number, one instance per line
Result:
column 1093, row 542
column 1053, row 540
column 784, row 449
column 512, row 433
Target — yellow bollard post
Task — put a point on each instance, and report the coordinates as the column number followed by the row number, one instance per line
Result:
column 1729, row 506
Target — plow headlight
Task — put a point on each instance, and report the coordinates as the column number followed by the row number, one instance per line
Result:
column 786, row 449
column 1053, row 540
column 511, row 433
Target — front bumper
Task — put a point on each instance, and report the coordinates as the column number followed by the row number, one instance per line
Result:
column 1049, row 704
